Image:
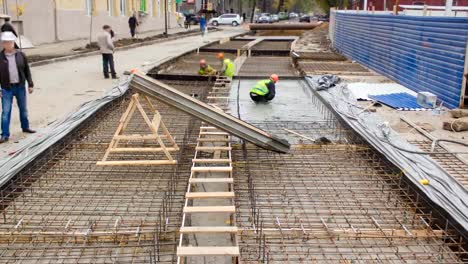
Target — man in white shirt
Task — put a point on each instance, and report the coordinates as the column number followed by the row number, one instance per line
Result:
column 106, row 46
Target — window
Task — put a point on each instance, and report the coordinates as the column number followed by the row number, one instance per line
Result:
column 123, row 7
column 89, row 7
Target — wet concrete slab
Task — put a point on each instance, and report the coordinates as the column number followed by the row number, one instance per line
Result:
column 265, row 66
column 293, row 108
column 189, row 64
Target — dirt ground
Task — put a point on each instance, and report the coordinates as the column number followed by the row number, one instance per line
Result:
column 431, row 121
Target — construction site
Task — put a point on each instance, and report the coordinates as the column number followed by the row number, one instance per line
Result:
column 173, row 167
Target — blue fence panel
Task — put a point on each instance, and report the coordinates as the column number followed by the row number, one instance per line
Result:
column 421, row 53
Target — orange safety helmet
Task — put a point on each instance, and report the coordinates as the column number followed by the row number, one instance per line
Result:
column 274, row 77
column 220, row 55
column 202, row 62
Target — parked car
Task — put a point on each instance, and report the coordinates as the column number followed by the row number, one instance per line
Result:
column 264, row 18
column 275, row 18
column 293, row 15
column 192, row 19
column 283, row 16
column 324, row 18
column 226, row 19
column 304, row 18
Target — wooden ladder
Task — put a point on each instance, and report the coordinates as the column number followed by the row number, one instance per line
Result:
column 212, row 172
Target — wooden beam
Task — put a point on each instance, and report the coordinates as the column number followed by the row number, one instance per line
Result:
column 213, row 148
column 213, row 139
column 207, row 251
column 204, row 195
column 136, row 162
column 142, row 149
column 211, row 180
column 211, row 160
column 208, row 229
column 212, row 169
column 210, row 209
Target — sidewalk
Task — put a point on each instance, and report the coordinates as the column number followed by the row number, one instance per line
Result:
column 67, row 47
column 63, row 86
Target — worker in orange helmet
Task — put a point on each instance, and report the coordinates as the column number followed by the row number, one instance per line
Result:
column 264, row 90
column 228, row 66
column 206, row 69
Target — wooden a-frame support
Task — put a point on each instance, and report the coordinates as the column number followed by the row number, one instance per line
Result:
column 155, row 125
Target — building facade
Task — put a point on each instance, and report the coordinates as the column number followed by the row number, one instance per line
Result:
column 45, row 21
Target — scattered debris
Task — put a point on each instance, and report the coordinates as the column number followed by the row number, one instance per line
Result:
column 457, row 113
column 457, row 125
column 426, row 126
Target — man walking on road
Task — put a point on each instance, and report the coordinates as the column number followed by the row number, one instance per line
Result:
column 133, row 24
column 14, row 73
column 107, row 50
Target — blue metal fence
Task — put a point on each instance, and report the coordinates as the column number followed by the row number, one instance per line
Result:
column 421, row 53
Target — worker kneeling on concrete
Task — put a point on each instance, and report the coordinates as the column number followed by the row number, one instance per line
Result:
column 264, row 90
column 228, row 66
column 206, row 69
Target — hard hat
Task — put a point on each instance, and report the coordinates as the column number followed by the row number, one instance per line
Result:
column 202, row 62
column 220, row 55
column 8, row 36
column 274, row 77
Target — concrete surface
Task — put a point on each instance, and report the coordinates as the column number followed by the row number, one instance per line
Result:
column 63, row 86
column 292, row 108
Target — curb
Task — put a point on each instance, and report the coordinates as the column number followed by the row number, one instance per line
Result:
column 97, row 52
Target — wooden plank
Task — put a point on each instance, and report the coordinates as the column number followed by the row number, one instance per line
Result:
column 210, row 209
column 207, row 251
column 142, row 149
column 213, row 139
column 208, row 229
column 211, row 160
column 139, row 137
column 214, row 133
column 204, row 195
column 211, row 180
column 213, row 148
column 136, row 162
column 212, row 169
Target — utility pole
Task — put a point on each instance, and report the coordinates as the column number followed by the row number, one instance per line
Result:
column 165, row 18
column 19, row 31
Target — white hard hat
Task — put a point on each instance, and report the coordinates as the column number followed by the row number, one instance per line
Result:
column 8, row 36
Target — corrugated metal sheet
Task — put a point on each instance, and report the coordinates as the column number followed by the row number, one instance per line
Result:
column 421, row 53
column 362, row 90
column 399, row 101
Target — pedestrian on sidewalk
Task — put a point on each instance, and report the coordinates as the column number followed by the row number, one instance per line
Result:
column 133, row 24
column 7, row 26
column 14, row 73
column 203, row 27
column 106, row 46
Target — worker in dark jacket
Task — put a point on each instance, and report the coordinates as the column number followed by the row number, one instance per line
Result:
column 133, row 24
column 14, row 73
column 264, row 90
